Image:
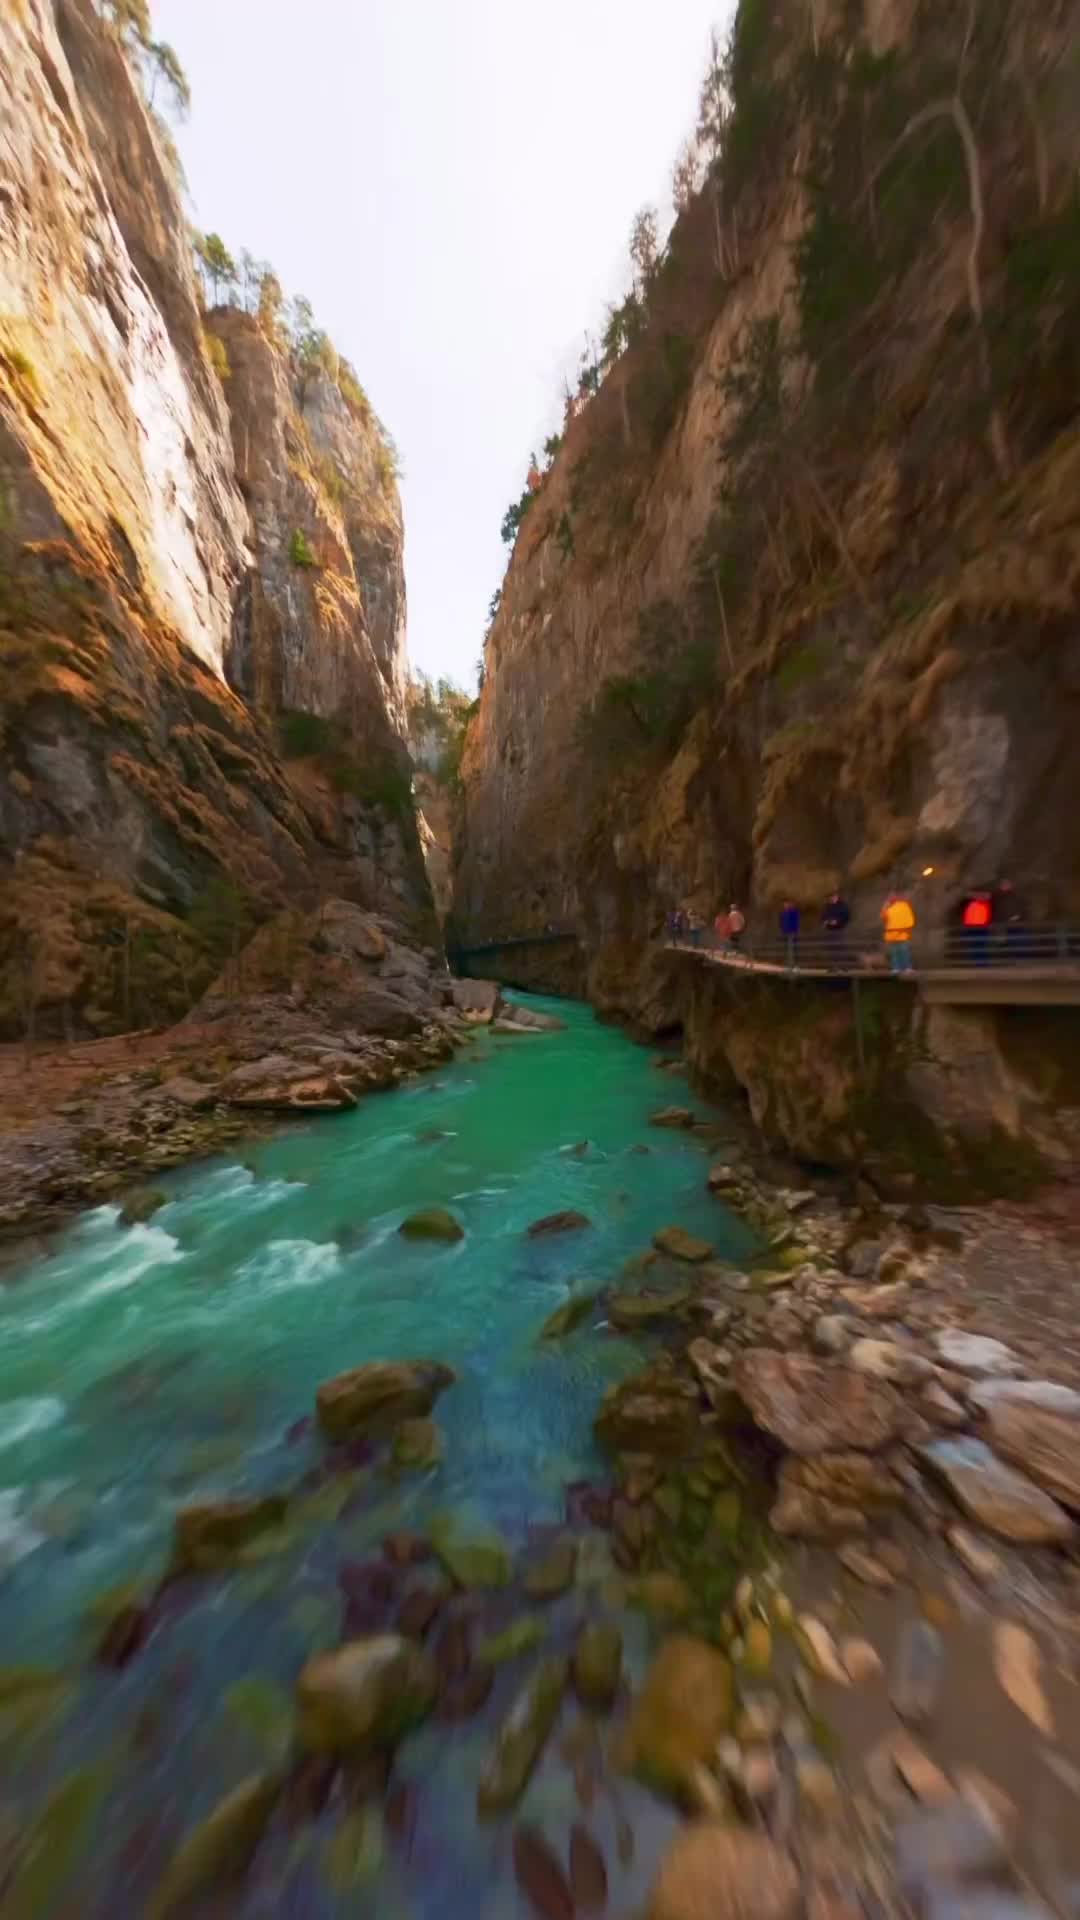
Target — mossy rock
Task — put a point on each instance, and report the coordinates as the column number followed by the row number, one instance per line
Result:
column 480, row 1561
column 567, row 1318
column 597, row 1665
column 522, row 1737
column 219, row 1850
column 418, row 1444
column 432, row 1223
column 521, row 1636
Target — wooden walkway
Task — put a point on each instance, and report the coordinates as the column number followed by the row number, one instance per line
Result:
column 1002, row 981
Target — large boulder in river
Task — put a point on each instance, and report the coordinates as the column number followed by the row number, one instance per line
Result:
column 811, row 1406
column 477, row 1000
column 432, row 1223
column 681, row 1245
column 364, row 1695
column 1045, row 1444
column 376, row 1397
column 683, row 1709
column 713, row 1872
column 648, row 1414
column 672, row 1117
column 217, row 1533
column 533, row 1022
column 1000, row 1499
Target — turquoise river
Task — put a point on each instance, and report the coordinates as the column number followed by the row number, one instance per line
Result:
column 145, row 1367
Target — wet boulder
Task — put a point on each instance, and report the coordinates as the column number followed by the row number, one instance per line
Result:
column 217, row 1533
column 522, row 1736
column 363, row 1696
column 417, row 1444
column 378, row 1396
column 713, row 1872
column 480, row 1560
column 629, row 1311
column 675, row 1117
column 140, row 1205
column 681, row 1712
column 680, row 1245
column 568, row 1221
column 567, row 1318
column 597, row 1665
column 812, row 1406
column 432, row 1223
column 552, row 1575
column 648, row 1414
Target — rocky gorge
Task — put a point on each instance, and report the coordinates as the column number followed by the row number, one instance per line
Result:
column 792, row 607
column 549, row 1489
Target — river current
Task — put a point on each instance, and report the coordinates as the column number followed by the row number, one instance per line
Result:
column 145, row 1367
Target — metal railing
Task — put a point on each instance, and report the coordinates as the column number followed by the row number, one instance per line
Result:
column 1046, row 946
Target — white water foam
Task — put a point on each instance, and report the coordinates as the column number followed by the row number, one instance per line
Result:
column 283, row 1265
column 17, row 1536
column 20, row 1418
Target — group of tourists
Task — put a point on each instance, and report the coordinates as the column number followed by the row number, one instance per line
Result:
column 898, row 922
column 984, row 921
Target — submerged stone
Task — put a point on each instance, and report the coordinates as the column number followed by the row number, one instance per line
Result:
column 216, row 1533
column 628, row 1311
column 568, row 1317
column 681, row 1712
column 521, row 1636
column 220, row 1849
column 672, row 1117
column 568, row 1221
column 713, row 1872
column 680, row 1245
column 432, row 1223
column 540, row 1876
column 597, row 1665
column 521, row 1738
column 483, row 1561
column 554, row 1573
column 378, row 1396
column 364, row 1695
column 418, row 1443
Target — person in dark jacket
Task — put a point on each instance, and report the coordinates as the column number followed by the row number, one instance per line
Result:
column 790, row 920
column 1009, row 920
column 835, row 918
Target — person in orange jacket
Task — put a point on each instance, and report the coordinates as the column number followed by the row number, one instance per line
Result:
column 898, row 921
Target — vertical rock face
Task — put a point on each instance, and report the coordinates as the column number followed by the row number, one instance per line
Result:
column 115, row 432
column 156, row 631
column 795, row 605
column 327, row 638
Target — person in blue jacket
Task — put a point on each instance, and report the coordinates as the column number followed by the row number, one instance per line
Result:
column 790, row 918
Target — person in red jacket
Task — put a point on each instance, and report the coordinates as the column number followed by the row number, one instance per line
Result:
column 975, row 919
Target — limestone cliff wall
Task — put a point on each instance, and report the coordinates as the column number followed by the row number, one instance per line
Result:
column 796, row 605
column 146, row 796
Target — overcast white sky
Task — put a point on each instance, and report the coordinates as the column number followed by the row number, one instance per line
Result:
column 451, row 183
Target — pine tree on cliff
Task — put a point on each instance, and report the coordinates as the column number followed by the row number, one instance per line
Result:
column 216, row 262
